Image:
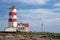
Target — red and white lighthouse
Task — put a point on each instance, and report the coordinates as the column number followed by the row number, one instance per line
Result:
column 12, row 21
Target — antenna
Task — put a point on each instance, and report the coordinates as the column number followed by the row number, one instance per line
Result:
column 42, row 27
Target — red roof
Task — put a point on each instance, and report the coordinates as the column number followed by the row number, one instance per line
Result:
column 26, row 24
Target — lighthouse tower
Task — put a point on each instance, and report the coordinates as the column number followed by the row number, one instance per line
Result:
column 12, row 17
column 12, row 20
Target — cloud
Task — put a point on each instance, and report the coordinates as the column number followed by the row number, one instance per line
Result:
column 37, row 13
column 34, row 1
column 29, row 1
column 56, row 9
column 57, row 4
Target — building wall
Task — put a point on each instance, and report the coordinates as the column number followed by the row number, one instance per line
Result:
column 10, row 29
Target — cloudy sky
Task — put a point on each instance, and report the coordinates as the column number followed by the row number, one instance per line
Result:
column 33, row 12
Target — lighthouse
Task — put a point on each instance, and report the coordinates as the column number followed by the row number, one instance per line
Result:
column 13, row 26
column 12, row 20
column 12, row 17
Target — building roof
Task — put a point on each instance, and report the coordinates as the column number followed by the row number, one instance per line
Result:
column 24, row 24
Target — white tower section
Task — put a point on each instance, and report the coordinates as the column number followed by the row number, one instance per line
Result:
column 12, row 17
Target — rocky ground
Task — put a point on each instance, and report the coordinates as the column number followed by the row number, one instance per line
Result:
column 9, row 36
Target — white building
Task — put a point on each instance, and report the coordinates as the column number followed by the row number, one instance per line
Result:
column 23, row 27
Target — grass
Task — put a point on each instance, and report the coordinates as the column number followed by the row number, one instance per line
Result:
column 53, row 35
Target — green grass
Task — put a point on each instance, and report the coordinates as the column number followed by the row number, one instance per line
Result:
column 33, row 33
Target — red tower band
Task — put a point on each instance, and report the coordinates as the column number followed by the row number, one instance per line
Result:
column 12, row 17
